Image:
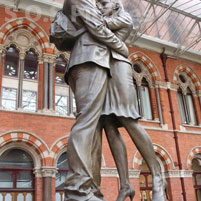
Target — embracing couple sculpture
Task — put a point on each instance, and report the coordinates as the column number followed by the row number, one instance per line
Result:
column 100, row 76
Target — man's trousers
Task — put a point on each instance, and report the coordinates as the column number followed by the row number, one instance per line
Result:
column 89, row 83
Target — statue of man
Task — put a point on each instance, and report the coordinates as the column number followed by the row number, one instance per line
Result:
column 87, row 74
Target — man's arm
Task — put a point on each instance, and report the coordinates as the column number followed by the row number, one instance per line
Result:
column 94, row 22
column 118, row 21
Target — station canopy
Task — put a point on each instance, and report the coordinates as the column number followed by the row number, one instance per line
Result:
column 175, row 21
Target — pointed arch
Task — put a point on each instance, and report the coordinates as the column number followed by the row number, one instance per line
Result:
column 190, row 156
column 190, row 73
column 139, row 56
column 29, row 139
column 160, row 152
column 30, row 25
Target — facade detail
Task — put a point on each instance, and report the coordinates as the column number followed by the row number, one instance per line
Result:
column 37, row 111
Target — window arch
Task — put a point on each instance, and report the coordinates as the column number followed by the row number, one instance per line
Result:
column 62, row 166
column 16, row 176
column 186, row 101
column 19, row 83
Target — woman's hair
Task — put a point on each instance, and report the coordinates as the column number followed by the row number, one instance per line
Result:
column 118, row 4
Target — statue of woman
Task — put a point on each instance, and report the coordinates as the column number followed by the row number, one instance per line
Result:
column 119, row 110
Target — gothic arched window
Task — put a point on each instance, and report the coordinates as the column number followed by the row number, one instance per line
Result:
column 19, row 83
column 16, row 176
column 143, row 102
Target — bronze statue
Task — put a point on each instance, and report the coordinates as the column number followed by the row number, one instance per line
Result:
column 119, row 110
column 87, row 75
column 100, row 76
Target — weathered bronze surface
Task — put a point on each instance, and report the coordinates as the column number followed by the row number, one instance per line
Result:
column 100, row 76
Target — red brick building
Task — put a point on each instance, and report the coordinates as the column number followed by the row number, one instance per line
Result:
column 37, row 110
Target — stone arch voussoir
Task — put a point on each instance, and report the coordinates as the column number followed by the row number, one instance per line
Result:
column 29, row 139
column 30, row 25
column 139, row 56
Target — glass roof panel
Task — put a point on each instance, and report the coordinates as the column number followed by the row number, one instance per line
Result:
column 175, row 21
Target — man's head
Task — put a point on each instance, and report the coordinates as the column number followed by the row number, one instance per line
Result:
column 107, row 6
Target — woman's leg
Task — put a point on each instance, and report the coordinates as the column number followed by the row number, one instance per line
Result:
column 118, row 149
column 144, row 144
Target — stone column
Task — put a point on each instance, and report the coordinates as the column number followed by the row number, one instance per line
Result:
column 48, row 173
column 45, row 86
column 159, row 105
column 2, row 53
column 40, row 84
column 200, row 100
column 50, row 86
column 21, row 77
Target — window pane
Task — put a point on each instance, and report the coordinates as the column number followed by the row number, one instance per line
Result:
column 29, row 197
column 181, row 107
column 11, row 62
column 29, row 100
column 142, row 181
column 6, row 179
column 9, row 98
column 8, row 197
column 1, row 197
column 62, row 162
column 16, row 158
column 61, row 104
column 60, row 179
column 147, row 112
column 58, row 196
column 24, row 180
column 30, row 66
column 191, row 109
column 20, row 197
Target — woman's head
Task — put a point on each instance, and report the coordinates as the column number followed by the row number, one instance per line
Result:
column 107, row 7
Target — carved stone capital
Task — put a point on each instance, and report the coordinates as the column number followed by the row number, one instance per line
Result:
column 174, row 87
column 49, row 58
column 38, row 173
column 49, row 172
column 22, row 55
column 2, row 50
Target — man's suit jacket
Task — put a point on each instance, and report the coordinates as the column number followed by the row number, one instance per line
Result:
column 96, row 44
